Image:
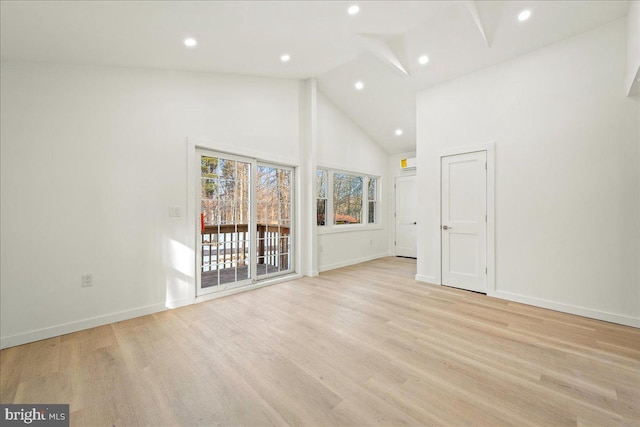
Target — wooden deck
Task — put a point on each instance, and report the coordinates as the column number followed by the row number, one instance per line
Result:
column 359, row 346
column 229, row 275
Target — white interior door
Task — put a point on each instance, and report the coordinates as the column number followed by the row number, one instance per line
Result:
column 406, row 217
column 464, row 215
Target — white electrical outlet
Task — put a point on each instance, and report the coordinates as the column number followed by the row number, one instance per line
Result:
column 175, row 211
column 86, row 280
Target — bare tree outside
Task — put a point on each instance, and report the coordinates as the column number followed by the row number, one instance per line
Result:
column 347, row 198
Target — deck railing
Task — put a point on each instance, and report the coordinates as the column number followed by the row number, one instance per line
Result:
column 227, row 246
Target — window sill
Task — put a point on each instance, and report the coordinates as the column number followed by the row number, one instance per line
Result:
column 347, row 228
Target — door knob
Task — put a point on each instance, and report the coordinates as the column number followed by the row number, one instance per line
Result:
column 445, row 227
column 414, row 223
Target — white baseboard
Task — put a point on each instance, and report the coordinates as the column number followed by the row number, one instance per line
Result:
column 566, row 308
column 424, row 278
column 66, row 328
column 180, row 302
column 552, row 305
column 351, row 262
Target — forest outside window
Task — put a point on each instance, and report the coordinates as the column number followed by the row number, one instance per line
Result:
column 346, row 198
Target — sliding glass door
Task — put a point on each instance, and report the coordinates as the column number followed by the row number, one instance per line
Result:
column 245, row 225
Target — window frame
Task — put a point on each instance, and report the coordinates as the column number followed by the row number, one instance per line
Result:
column 325, row 198
column 330, row 226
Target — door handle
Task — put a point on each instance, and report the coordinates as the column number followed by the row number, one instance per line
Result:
column 445, row 227
column 414, row 223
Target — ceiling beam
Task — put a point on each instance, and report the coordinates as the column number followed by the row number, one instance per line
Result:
column 472, row 7
column 381, row 49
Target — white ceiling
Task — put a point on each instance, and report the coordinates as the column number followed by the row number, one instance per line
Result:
column 248, row 38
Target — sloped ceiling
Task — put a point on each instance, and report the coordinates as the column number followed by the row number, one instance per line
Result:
column 378, row 46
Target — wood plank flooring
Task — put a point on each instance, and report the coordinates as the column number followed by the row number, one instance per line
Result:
column 362, row 345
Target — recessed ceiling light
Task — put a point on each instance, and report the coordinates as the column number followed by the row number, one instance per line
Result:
column 285, row 57
column 524, row 15
column 353, row 9
column 190, row 42
column 359, row 85
column 399, row 132
column 423, row 60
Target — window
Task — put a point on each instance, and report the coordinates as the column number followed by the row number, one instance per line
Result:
column 353, row 199
column 321, row 197
column 372, row 197
column 347, row 198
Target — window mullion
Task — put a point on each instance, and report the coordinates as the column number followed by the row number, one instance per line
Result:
column 365, row 200
column 329, row 221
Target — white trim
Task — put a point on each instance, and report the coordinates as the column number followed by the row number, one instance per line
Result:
column 341, row 264
column 329, row 226
column 228, row 148
column 180, row 302
column 344, row 228
column 341, row 168
column 193, row 220
column 567, row 308
column 427, row 279
column 236, row 290
column 490, row 148
column 67, row 328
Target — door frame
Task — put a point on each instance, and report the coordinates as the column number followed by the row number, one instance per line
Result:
column 490, row 203
column 181, row 291
column 395, row 211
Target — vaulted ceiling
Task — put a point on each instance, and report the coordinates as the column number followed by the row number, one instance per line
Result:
column 378, row 46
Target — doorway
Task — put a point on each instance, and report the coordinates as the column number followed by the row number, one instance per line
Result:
column 406, row 216
column 463, row 228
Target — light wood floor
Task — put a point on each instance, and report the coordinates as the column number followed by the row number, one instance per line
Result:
column 362, row 345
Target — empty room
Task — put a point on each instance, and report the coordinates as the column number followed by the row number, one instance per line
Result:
column 320, row 213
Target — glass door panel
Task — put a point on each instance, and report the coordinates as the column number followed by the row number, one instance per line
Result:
column 225, row 208
column 273, row 229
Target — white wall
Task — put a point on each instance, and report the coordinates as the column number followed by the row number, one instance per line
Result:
column 567, row 180
column 343, row 145
column 307, row 177
column 91, row 159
